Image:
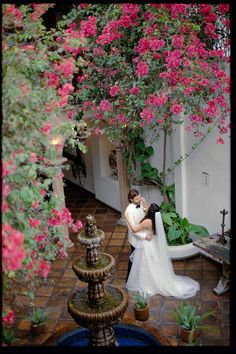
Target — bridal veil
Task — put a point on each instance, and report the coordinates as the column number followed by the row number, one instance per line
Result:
column 152, row 270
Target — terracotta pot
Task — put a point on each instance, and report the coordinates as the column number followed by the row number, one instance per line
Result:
column 141, row 314
column 185, row 335
column 38, row 329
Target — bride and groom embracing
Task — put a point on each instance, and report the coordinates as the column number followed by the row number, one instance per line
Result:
column 150, row 269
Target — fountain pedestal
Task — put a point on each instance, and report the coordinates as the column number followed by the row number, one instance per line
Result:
column 96, row 307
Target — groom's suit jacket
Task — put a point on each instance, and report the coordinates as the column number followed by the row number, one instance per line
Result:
column 135, row 215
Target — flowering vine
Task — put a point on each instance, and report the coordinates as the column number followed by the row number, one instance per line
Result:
column 156, row 66
column 38, row 70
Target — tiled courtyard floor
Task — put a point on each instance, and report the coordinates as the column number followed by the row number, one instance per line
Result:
column 52, row 296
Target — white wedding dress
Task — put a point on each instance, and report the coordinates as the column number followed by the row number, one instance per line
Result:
column 152, row 271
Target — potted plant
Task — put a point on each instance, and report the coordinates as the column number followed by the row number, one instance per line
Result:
column 179, row 231
column 37, row 319
column 189, row 321
column 141, row 307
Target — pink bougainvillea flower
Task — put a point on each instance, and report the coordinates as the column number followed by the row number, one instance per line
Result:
column 114, row 90
column 105, row 106
column 177, row 41
column 65, row 89
column 86, row 105
column 84, row 5
column 35, row 204
column 43, row 192
column 33, row 157
column 44, row 268
column 196, row 118
column 223, row 8
column 89, row 28
column 52, row 79
column 211, row 109
column 164, row 75
column 223, row 130
column 34, row 222
column 176, row 108
column 79, row 225
column 121, row 118
column 143, row 46
column 134, row 90
column 204, row 82
column 46, row 128
column 4, row 206
column 13, row 252
column 25, row 89
column 147, row 114
column 125, row 21
column 220, row 141
column 156, row 44
column 14, row 11
column 40, row 238
column 66, row 67
column 63, row 254
column 71, row 114
column 156, row 101
column 99, row 116
column 130, row 9
column 142, row 69
column 9, row 318
column 173, row 59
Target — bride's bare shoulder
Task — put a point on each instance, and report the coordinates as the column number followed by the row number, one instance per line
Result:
column 147, row 223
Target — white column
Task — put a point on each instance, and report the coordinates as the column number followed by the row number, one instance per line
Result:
column 180, row 171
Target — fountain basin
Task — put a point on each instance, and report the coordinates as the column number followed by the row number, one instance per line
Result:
column 99, row 272
column 90, row 315
column 84, row 239
column 126, row 335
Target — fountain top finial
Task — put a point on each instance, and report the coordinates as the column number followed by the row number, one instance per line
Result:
column 90, row 226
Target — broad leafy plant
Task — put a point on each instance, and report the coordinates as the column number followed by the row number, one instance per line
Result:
column 178, row 230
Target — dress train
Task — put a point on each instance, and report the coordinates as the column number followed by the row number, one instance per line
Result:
column 152, row 270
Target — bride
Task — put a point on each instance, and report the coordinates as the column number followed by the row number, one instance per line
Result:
column 152, row 271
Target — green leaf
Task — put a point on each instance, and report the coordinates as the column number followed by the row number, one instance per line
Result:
column 173, row 233
column 141, row 158
column 167, row 219
column 184, row 223
column 150, row 151
column 198, row 229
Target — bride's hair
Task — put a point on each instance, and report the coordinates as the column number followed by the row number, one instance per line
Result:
column 150, row 214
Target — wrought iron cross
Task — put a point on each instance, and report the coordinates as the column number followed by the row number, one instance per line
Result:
column 222, row 239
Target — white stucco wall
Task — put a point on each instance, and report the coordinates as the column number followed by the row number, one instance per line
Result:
column 202, row 204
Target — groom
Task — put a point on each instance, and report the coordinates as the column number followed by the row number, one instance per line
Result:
column 136, row 211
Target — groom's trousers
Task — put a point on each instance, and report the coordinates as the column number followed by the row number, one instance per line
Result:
column 130, row 263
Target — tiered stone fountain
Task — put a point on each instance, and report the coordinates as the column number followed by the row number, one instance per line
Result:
column 96, row 307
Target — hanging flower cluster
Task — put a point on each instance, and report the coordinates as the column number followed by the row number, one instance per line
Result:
column 157, row 64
